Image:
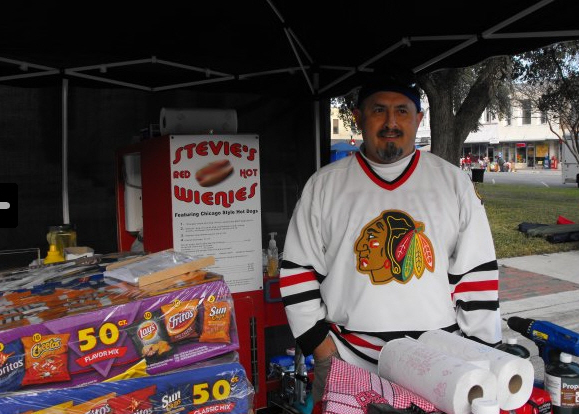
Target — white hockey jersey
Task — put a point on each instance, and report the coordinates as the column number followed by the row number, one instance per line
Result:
column 368, row 260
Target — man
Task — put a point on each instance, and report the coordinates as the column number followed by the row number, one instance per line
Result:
column 388, row 243
column 501, row 162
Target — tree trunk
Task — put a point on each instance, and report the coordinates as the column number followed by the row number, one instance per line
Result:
column 451, row 122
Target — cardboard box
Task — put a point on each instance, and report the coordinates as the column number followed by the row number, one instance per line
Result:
column 216, row 388
column 170, row 330
column 76, row 252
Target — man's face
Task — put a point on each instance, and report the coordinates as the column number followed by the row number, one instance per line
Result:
column 388, row 121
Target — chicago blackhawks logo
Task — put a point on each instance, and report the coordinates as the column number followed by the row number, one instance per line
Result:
column 393, row 247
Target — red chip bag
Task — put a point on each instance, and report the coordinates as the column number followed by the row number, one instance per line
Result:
column 45, row 359
column 134, row 402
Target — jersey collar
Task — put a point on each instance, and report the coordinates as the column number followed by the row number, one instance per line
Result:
column 397, row 182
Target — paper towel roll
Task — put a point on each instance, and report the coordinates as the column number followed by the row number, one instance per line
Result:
column 450, row 383
column 484, row 406
column 515, row 375
column 184, row 121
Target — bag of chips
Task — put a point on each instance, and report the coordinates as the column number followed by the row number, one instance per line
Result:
column 216, row 321
column 45, row 359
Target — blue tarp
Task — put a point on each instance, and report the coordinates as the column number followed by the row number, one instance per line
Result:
column 342, row 146
column 341, row 150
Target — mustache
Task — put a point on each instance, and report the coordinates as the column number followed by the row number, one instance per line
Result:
column 386, row 131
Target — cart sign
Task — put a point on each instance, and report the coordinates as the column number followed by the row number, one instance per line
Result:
column 216, row 203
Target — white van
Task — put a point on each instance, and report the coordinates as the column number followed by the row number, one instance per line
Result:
column 569, row 166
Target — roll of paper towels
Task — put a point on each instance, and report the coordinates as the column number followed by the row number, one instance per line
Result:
column 482, row 406
column 450, row 383
column 515, row 375
column 185, row 121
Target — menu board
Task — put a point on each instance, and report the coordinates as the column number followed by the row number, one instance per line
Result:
column 216, row 204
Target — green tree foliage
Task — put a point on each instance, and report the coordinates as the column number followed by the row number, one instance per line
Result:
column 549, row 78
column 345, row 104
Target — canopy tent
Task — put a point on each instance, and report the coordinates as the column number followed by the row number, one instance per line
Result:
column 267, row 46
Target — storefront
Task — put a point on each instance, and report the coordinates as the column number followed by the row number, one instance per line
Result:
column 522, row 155
column 532, row 154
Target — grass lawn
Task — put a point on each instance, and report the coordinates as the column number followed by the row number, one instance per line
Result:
column 509, row 205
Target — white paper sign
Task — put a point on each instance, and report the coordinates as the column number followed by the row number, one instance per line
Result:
column 216, row 202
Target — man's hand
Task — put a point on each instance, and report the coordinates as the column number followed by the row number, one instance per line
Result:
column 325, row 349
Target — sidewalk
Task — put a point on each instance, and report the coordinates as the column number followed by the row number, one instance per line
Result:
column 542, row 287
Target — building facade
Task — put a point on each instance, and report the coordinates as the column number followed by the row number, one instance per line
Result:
column 525, row 139
column 339, row 131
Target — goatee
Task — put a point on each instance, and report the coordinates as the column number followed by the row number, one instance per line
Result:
column 390, row 154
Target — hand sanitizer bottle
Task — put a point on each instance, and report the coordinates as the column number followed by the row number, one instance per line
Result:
column 272, row 256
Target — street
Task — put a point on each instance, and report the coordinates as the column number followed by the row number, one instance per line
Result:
column 536, row 178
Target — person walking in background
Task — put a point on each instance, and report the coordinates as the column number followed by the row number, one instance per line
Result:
column 388, row 243
column 501, row 163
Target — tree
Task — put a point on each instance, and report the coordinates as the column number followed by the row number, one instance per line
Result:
column 344, row 105
column 549, row 78
column 457, row 98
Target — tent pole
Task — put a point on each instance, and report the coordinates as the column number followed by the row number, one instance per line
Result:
column 65, row 212
column 317, row 121
column 318, row 135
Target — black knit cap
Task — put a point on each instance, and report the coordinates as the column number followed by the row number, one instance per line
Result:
column 400, row 80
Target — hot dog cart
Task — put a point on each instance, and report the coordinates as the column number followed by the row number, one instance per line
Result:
column 160, row 199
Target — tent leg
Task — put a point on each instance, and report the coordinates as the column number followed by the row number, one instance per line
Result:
column 317, row 123
column 65, row 211
column 318, row 135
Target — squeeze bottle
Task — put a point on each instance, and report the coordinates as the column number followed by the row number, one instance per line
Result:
column 272, row 256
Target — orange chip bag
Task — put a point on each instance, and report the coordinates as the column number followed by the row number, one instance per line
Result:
column 216, row 322
column 45, row 359
column 181, row 320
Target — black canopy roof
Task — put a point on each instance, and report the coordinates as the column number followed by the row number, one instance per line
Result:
column 302, row 48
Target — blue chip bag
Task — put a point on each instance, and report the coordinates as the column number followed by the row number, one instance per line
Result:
column 11, row 366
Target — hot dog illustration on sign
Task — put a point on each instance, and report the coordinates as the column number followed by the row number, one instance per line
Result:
column 214, row 173
column 393, row 247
